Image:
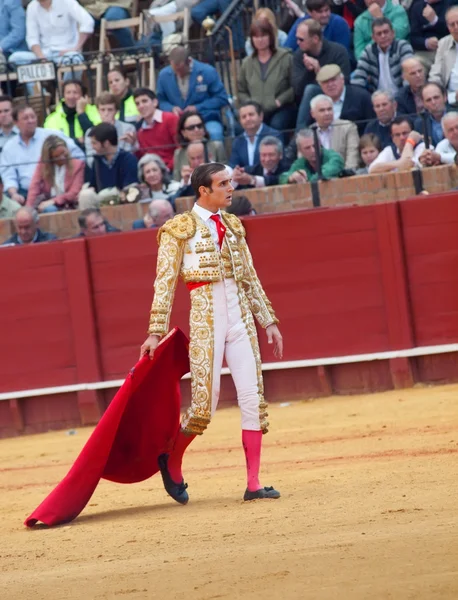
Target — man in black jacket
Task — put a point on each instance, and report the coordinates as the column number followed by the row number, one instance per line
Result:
column 313, row 53
column 427, row 27
column 351, row 103
column 267, row 172
column 27, row 231
column 409, row 97
column 385, row 108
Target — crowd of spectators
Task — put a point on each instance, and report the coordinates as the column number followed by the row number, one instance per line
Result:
column 343, row 89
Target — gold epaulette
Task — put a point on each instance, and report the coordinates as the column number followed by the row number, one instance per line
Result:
column 234, row 223
column 181, row 227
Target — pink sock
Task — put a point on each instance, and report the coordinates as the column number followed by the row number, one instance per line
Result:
column 252, row 446
column 182, row 441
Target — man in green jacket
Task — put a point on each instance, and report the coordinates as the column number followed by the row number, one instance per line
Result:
column 73, row 115
column 376, row 9
column 305, row 168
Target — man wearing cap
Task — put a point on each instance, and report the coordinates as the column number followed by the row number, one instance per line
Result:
column 351, row 103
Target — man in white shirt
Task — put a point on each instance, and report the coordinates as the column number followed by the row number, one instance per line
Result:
column 446, row 150
column 404, row 152
column 445, row 68
column 56, row 31
column 335, row 134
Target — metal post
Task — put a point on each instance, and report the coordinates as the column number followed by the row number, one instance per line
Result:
column 317, row 144
column 427, row 133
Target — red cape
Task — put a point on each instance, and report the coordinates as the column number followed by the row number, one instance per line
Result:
column 140, row 423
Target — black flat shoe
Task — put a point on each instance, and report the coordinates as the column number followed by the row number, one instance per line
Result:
column 177, row 491
column 265, row 492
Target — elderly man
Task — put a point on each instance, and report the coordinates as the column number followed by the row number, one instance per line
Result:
column 379, row 65
column 446, row 150
column 267, row 171
column 188, row 84
column 376, row 9
column 435, row 102
column 408, row 96
column 350, row 102
column 313, row 53
column 335, row 134
column 305, row 168
column 385, row 108
column 445, row 69
column 27, row 231
column 404, row 152
column 159, row 211
column 22, row 152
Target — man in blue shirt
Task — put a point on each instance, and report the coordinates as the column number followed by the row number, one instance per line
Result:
column 112, row 167
column 12, row 28
column 188, row 84
column 22, row 153
column 27, row 231
column 335, row 28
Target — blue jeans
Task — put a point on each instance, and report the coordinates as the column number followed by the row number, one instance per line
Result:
column 304, row 118
column 282, row 119
column 51, row 209
column 122, row 36
column 210, row 7
column 215, row 130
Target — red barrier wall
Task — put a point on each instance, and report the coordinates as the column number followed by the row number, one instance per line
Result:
column 348, row 280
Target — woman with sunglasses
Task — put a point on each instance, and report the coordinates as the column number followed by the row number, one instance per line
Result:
column 191, row 128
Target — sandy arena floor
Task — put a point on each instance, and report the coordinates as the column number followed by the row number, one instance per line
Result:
column 369, row 511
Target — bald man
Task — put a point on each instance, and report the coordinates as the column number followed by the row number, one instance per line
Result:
column 159, row 212
column 27, row 231
column 409, row 97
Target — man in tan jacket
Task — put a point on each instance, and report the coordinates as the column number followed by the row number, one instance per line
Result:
column 335, row 134
column 444, row 70
column 112, row 11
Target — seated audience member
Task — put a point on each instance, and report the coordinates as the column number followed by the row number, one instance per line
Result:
column 116, row 10
column 93, row 224
column 385, row 107
column 369, row 148
column 27, row 231
column 196, row 157
column 408, row 96
column 157, row 130
column 58, row 178
column 8, row 207
column 119, row 86
column 73, row 115
column 267, row 171
column 435, row 103
column 350, row 102
column 107, row 109
column 378, row 9
column 265, row 77
column 445, row 152
column 112, row 169
column 12, row 29
column 245, row 147
column 188, row 84
column 427, row 27
column 200, row 9
column 313, row 53
column 7, row 127
column 55, row 32
column 155, row 182
column 241, row 207
column 305, row 168
column 444, row 70
column 191, row 128
column 335, row 28
column 159, row 212
column 265, row 14
column 335, row 134
column 403, row 153
column 21, row 153
column 379, row 65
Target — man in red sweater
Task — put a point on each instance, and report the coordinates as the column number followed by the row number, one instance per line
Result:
column 156, row 131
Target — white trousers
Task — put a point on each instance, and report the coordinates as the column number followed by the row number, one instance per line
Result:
column 231, row 340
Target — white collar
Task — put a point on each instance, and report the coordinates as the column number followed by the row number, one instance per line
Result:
column 203, row 213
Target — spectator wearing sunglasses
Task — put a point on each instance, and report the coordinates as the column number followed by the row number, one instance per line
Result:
column 191, row 128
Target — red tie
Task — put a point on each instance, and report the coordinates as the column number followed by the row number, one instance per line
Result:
column 220, row 228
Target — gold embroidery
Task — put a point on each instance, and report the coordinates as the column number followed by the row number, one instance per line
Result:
column 181, row 226
column 201, row 350
column 234, row 223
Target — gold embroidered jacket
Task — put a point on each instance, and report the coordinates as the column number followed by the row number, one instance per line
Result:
column 186, row 248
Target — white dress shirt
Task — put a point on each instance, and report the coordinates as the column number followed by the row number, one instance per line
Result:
column 447, row 152
column 251, row 146
column 453, row 81
column 325, row 136
column 385, row 81
column 58, row 27
column 206, row 215
column 387, row 155
column 338, row 105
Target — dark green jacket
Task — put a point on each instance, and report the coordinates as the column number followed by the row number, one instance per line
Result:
column 332, row 165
